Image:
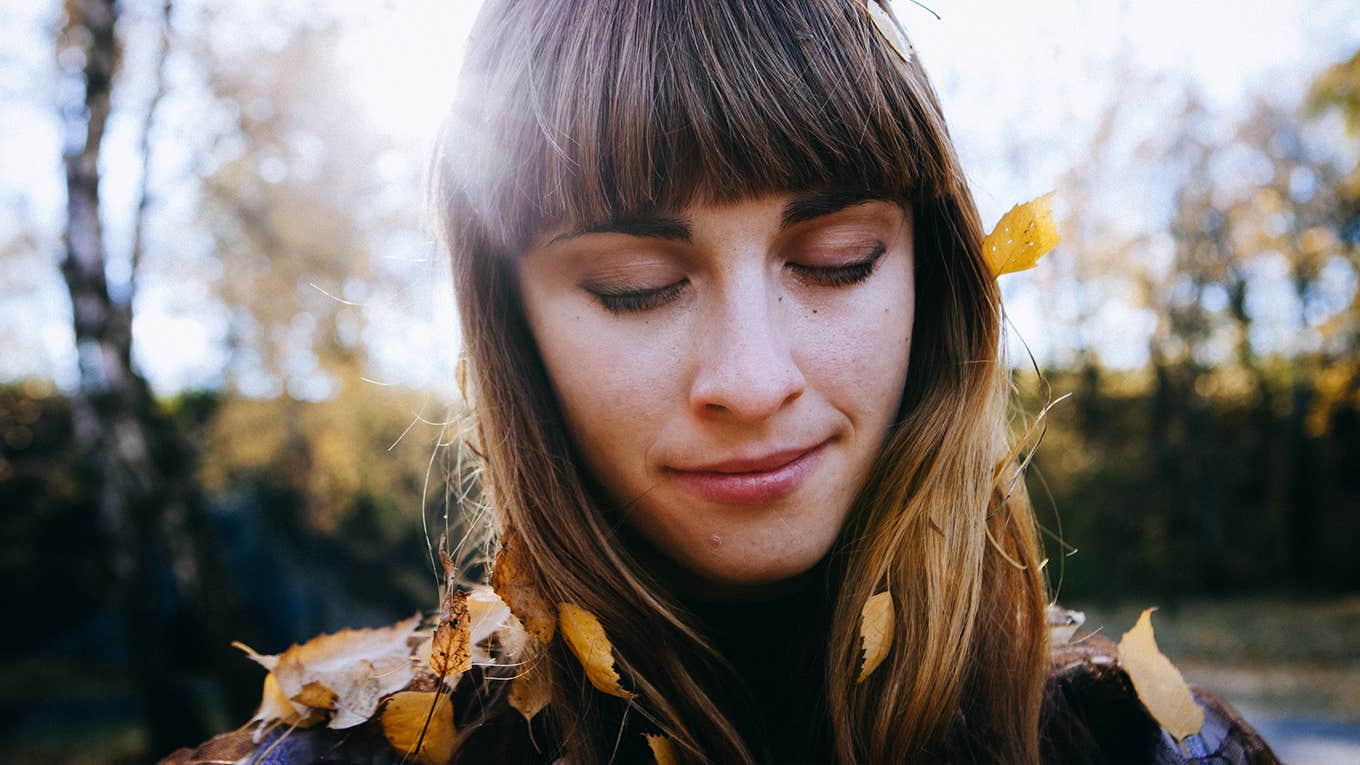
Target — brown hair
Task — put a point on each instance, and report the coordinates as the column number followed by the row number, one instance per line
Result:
column 573, row 111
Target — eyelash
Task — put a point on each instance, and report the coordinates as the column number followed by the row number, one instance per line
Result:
column 840, row 276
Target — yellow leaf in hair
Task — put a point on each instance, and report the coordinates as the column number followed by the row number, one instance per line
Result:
column 404, row 719
column 1159, row 684
column 586, row 638
column 876, row 631
column 1022, row 236
column 510, row 580
column 662, row 749
column 532, row 689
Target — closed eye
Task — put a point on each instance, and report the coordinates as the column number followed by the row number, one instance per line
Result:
column 840, row 276
column 636, row 301
column 641, row 300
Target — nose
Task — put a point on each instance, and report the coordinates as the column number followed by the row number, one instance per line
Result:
column 746, row 365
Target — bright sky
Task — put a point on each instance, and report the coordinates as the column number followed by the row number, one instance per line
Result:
column 1024, row 86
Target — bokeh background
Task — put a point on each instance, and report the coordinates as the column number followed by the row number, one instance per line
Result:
column 227, row 344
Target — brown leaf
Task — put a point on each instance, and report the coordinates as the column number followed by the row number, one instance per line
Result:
column 663, row 751
column 531, row 691
column 876, row 632
column 510, row 579
column 404, row 719
column 450, row 581
column 223, row 748
column 1022, row 236
column 1159, row 684
column 586, row 638
column 451, row 648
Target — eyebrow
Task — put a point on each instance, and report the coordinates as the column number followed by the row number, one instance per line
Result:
column 803, row 207
column 815, row 204
column 647, row 226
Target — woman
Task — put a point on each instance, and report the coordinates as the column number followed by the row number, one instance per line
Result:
column 691, row 234
column 732, row 356
column 692, row 239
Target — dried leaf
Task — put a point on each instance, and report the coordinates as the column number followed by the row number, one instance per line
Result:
column 663, row 751
column 586, row 638
column 889, row 30
column 316, row 695
column 268, row 662
column 876, row 632
column 404, row 718
column 1062, row 624
column 1022, row 236
column 274, row 705
column 532, row 689
column 451, row 647
column 510, row 580
column 360, row 666
column 450, row 581
column 490, row 618
column 1159, row 684
column 359, row 694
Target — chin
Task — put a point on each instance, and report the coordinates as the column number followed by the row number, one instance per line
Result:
column 743, row 571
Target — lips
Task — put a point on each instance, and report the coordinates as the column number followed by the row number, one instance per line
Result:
column 747, row 481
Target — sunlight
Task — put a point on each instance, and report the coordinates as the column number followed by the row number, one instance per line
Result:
column 407, row 54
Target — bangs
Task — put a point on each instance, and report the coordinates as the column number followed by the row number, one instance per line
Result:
column 579, row 111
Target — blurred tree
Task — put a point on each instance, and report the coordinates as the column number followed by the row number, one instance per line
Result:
column 288, row 197
column 134, row 456
column 1338, row 87
column 139, row 467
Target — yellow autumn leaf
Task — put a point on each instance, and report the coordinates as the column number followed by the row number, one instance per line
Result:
column 1159, row 684
column 1022, row 236
column 876, row 632
column 532, row 689
column 662, row 749
column 316, row 695
column 586, row 638
column 510, row 580
column 274, row 705
column 404, row 717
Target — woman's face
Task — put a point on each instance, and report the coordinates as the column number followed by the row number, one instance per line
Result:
column 729, row 372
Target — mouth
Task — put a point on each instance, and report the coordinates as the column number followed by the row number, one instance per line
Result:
column 777, row 476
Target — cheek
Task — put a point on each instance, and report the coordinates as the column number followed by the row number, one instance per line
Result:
column 613, row 380
column 857, row 355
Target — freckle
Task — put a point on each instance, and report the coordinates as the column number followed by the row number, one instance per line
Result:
column 715, row 541
column 814, row 310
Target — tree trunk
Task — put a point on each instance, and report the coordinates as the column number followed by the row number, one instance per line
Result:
column 134, row 458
